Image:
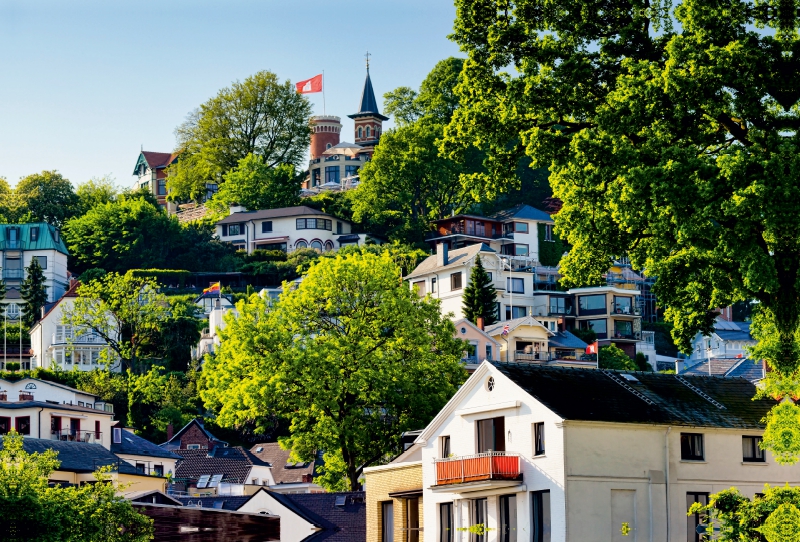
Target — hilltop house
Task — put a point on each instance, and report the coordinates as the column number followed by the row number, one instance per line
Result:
column 151, row 175
column 20, row 244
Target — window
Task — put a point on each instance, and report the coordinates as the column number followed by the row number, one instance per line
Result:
column 515, row 250
column 313, row 224
column 433, row 285
column 491, row 435
column 301, row 244
column 34, row 234
column 97, row 429
column 331, row 174
column 367, row 132
column 266, row 226
column 592, row 304
column 162, row 187
column 455, row 281
column 751, row 451
column 420, row 287
column 508, row 518
column 600, row 327
column 328, row 146
column 538, row 438
column 692, row 447
column 387, row 522
column 516, row 285
column 412, row 520
column 5, row 425
column 315, row 177
column 560, row 305
column 445, row 446
column 479, row 512
column 140, row 468
column 158, row 470
column 516, row 312
column 521, row 227
column 489, row 352
column 446, row 522
column 623, row 330
column 623, row 305
column 350, row 171
column 695, row 519
column 338, row 228
column 316, row 245
column 540, row 517
column 23, row 425
column 235, row 229
column 360, row 133
column 548, row 232
column 117, row 435
column 328, row 246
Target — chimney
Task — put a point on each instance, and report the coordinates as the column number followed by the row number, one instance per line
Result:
column 441, row 254
column 42, row 309
column 170, row 431
column 480, row 323
column 308, row 478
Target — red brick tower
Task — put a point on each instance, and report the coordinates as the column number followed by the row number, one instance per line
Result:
column 326, row 130
column 368, row 120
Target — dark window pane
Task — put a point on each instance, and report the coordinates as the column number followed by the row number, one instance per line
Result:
column 446, row 522
column 541, row 516
column 387, row 523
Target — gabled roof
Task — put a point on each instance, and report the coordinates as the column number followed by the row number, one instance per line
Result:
column 732, row 331
column 729, row 367
column 497, row 329
column 343, row 523
column 47, row 383
column 218, row 502
column 233, row 464
column 78, row 456
column 283, row 212
column 135, row 445
column 464, row 322
column 283, row 471
column 72, row 292
column 651, row 398
column 368, row 106
column 565, row 339
column 176, row 438
column 522, row 212
column 48, row 238
column 155, row 160
column 455, row 258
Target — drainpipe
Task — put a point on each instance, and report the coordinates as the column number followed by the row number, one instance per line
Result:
column 40, row 421
column 666, row 473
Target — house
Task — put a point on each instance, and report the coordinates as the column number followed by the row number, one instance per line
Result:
column 728, row 340
column 192, row 436
column 329, row 517
column 288, row 476
column 395, row 506
column 20, row 244
column 287, row 229
column 55, row 344
column 220, row 470
column 218, row 307
column 541, row 453
column 746, row 368
column 151, row 175
column 146, row 457
column 480, row 345
column 612, row 313
column 536, row 340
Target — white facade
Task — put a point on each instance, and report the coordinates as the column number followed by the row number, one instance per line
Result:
column 729, row 340
column 294, row 527
column 598, row 474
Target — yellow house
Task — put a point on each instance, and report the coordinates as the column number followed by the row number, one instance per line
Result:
column 529, row 340
column 394, row 499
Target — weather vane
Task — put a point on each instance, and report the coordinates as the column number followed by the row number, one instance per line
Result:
column 367, row 57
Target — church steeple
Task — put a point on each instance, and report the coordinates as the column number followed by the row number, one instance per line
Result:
column 368, row 119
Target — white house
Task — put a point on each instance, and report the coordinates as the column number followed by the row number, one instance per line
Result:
column 20, row 244
column 543, row 454
column 728, row 340
column 287, row 229
column 56, row 344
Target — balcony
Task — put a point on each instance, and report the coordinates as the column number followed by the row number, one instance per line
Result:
column 69, row 435
column 624, row 310
column 13, row 274
column 626, row 335
column 85, row 338
column 494, row 468
column 531, row 357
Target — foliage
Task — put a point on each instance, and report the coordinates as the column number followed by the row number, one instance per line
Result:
column 586, row 335
column 436, row 98
column 163, row 276
column 126, row 311
column 291, row 267
column 550, row 252
column 260, row 116
column 641, row 362
column 480, row 297
column 664, row 343
column 255, row 185
column 34, row 512
column 96, row 191
column 12, row 366
column 351, row 357
column 612, row 357
column 338, row 204
column 95, row 273
column 48, row 197
column 33, row 292
column 172, row 344
column 782, row 435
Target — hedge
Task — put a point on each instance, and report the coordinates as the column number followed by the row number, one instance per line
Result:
column 167, row 277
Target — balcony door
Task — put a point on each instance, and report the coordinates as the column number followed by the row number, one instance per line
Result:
column 491, row 435
column 508, row 518
column 479, row 513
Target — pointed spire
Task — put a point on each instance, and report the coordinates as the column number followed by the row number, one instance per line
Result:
column 368, row 105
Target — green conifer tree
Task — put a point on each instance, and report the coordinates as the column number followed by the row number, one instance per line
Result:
column 480, row 297
column 33, row 292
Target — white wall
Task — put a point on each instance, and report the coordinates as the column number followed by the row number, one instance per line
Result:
column 286, row 227
column 293, row 527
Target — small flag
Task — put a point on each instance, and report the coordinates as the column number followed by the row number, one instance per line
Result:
column 505, row 330
column 592, row 348
column 213, row 288
column 310, row 85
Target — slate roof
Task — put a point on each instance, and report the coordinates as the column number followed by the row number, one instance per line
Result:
column 455, row 258
column 283, row 212
column 282, row 471
column 593, row 395
column 135, row 445
column 49, row 237
column 233, row 463
column 346, row 523
column 565, row 339
column 77, row 456
column 749, row 370
column 729, row 367
column 368, row 105
column 220, row 502
column 522, row 212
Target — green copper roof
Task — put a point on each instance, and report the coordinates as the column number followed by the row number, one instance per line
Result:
column 34, row 236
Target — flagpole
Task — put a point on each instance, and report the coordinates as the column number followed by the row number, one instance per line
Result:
column 323, row 92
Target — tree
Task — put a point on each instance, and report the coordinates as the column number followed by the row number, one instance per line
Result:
column 34, row 512
column 612, row 357
column 125, row 310
column 33, row 292
column 255, row 185
column 96, row 191
column 671, row 135
column 436, row 98
column 48, row 197
column 351, row 358
column 480, row 297
column 259, row 116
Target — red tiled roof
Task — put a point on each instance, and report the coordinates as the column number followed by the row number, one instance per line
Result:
column 159, row 159
column 233, row 463
column 282, row 471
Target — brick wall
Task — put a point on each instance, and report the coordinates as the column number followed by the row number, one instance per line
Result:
column 194, row 435
column 379, row 483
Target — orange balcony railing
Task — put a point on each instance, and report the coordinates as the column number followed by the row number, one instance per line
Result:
column 475, row 468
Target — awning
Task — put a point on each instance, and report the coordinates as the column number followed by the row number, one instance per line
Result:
column 270, row 241
column 406, row 493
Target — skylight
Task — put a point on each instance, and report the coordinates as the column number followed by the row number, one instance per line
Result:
column 341, row 500
column 203, row 481
column 629, row 377
column 259, row 449
column 215, row 480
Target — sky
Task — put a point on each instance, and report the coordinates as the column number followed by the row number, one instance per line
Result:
column 84, row 85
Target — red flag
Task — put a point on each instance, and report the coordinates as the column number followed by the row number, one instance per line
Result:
column 310, row 85
column 592, row 348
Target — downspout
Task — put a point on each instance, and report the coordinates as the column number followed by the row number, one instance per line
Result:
column 40, row 421
column 666, row 474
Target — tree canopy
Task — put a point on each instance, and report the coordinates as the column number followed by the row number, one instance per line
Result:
column 351, row 358
column 48, row 196
column 96, row 191
column 480, row 297
column 671, row 136
column 259, row 116
column 256, row 185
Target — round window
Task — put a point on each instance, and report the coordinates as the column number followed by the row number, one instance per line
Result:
column 490, row 383
column 463, row 331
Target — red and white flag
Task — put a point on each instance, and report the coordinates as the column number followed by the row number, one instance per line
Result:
column 310, row 86
column 592, row 348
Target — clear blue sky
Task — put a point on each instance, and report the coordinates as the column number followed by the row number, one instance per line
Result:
column 84, row 84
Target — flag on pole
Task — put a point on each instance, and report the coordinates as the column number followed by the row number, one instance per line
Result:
column 310, row 86
column 592, row 348
column 505, row 330
column 213, row 288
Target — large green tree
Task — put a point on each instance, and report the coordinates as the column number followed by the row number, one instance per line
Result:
column 352, row 358
column 480, row 297
column 48, row 196
column 96, row 191
column 255, row 184
column 259, row 116
column 33, row 292
column 671, row 135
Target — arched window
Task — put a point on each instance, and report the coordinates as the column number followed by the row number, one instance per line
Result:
column 301, row 244
column 360, row 133
column 316, row 244
column 367, row 131
column 328, row 246
column 328, row 146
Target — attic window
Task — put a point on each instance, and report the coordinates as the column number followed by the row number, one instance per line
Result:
column 341, row 500
column 259, row 449
column 490, row 383
column 203, row 481
column 117, row 435
column 129, row 440
column 34, row 234
column 215, row 480
column 629, row 377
